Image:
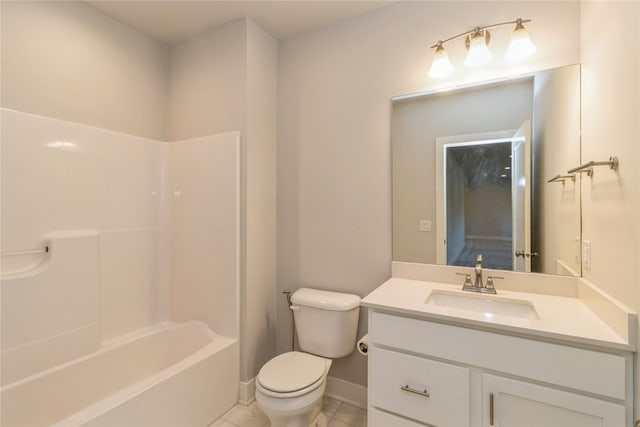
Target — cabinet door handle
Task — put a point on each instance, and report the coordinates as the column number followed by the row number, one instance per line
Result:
column 490, row 409
column 413, row 390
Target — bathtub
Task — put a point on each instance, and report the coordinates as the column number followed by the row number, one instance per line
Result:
column 166, row 375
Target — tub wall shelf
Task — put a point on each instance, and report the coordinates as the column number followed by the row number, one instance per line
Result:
column 64, row 290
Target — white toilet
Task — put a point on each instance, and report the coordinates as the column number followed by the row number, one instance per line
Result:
column 289, row 387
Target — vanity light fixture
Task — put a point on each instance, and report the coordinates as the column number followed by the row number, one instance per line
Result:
column 477, row 44
column 441, row 66
column 520, row 46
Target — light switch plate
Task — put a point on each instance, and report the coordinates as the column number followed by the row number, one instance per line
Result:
column 586, row 254
column 425, row 225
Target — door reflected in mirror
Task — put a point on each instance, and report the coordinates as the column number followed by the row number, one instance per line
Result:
column 473, row 164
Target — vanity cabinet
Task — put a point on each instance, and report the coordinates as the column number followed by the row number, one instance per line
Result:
column 422, row 372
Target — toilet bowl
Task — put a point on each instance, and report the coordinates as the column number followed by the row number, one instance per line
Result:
column 290, row 386
column 289, row 389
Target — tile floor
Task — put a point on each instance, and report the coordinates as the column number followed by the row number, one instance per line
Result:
column 338, row 413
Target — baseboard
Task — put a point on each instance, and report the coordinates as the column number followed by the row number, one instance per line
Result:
column 247, row 392
column 345, row 391
column 348, row 392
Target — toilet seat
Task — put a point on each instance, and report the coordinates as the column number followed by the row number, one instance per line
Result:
column 291, row 374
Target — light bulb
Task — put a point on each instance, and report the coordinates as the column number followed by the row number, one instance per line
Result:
column 520, row 46
column 441, row 66
column 479, row 53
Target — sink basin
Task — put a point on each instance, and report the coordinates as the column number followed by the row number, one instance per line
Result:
column 488, row 305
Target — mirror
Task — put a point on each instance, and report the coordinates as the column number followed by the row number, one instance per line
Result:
column 470, row 170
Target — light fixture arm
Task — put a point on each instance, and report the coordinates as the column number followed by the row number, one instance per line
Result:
column 476, row 30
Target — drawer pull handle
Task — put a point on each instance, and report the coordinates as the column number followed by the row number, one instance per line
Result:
column 413, row 390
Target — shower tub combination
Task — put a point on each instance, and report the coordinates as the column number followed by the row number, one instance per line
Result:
column 58, row 370
column 166, row 375
column 87, row 307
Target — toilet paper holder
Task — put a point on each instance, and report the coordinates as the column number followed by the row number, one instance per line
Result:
column 363, row 345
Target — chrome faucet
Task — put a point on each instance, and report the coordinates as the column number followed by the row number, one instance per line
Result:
column 477, row 285
column 477, row 282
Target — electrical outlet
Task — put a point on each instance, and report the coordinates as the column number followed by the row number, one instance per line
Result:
column 586, row 254
column 425, row 225
column 576, row 250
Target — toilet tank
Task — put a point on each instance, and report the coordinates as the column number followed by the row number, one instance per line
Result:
column 326, row 322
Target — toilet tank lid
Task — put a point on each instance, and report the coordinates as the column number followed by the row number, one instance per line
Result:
column 327, row 300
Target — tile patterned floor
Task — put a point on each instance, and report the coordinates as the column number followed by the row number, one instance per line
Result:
column 495, row 254
column 338, row 413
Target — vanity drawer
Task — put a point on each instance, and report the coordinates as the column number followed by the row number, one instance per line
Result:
column 447, row 386
column 378, row 418
column 577, row 368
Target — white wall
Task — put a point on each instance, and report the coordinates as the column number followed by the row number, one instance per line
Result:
column 259, row 317
column 66, row 60
column 334, row 198
column 610, row 56
column 207, row 88
column 610, row 126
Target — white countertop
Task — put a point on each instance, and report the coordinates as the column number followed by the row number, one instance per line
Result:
column 560, row 318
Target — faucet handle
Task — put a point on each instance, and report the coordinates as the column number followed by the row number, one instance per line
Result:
column 467, row 280
column 489, row 286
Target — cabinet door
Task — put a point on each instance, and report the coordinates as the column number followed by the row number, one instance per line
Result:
column 511, row 403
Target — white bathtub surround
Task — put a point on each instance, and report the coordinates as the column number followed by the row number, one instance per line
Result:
column 162, row 245
column 64, row 177
column 166, row 375
column 52, row 310
column 203, row 205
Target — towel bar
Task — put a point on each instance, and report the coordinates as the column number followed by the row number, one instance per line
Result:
column 562, row 178
column 588, row 167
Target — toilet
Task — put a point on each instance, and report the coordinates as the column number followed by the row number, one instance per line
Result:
column 289, row 387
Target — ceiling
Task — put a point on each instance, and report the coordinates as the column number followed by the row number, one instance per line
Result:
column 174, row 21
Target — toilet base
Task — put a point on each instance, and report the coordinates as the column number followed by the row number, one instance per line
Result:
column 302, row 411
column 320, row 420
